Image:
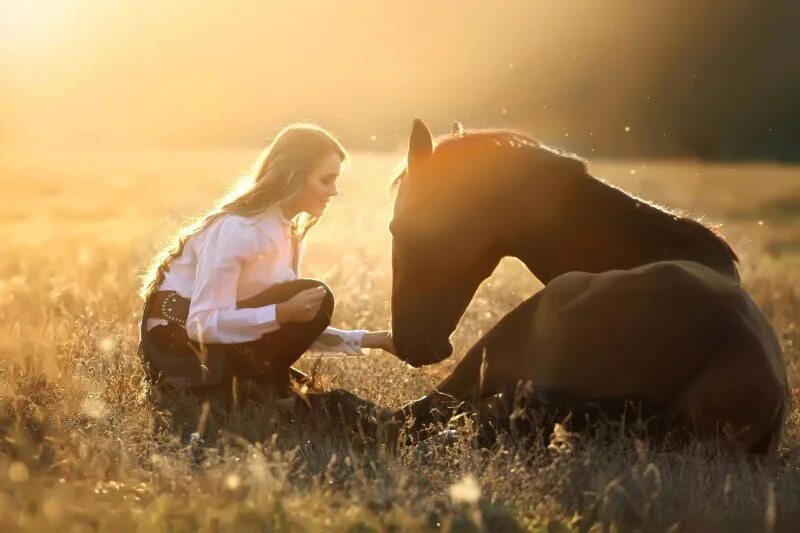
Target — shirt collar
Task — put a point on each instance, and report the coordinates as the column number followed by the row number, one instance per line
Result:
column 273, row 221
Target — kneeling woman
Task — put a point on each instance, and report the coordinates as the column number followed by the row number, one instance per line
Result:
column 224, row 300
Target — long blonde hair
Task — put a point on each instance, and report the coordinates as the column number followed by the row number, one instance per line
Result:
column 278, row 175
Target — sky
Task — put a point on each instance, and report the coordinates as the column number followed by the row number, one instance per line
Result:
column 707, row 78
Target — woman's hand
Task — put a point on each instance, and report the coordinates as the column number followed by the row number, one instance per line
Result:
column 301, row 307
column 379, row 339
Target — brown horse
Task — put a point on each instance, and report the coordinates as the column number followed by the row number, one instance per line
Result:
column 640, row 304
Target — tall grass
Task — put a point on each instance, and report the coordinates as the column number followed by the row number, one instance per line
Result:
column 84, row 444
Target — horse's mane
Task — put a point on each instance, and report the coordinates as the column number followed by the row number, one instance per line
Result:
column 464, row 141
column 488, row 137
column 713, row 232
column 691, row 225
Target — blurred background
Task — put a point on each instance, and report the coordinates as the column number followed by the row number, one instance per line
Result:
column 707, row 79
column 122, row 119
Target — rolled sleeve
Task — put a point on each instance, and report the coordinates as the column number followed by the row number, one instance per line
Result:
column 335, row 340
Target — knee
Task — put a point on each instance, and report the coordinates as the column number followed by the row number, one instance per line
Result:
column 326, row 309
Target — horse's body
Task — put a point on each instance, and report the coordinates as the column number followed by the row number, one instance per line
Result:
column 673, row 342
column 640, row 304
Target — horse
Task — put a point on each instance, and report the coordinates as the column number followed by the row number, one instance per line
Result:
column 640, row 304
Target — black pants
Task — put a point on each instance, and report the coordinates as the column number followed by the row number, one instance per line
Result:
column 172, row 359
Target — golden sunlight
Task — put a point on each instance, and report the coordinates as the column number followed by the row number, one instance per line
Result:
column 576, row 309
column 35, row 28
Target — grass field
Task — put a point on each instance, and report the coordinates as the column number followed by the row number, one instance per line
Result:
column 85, row 446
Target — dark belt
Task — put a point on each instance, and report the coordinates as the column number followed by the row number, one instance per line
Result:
column 170, row 306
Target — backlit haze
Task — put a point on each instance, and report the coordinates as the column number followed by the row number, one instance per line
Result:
column 710, row 79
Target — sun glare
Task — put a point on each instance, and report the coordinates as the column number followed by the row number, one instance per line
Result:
column 34, row 27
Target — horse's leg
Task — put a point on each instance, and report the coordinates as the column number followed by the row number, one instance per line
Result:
column 495, row 364
column 460, row 386
column 737, row 399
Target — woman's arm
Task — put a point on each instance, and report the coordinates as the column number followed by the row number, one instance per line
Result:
column 213, row 316
column 349, row 342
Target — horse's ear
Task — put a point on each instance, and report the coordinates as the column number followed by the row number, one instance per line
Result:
column 457, row 129
column 420, row 144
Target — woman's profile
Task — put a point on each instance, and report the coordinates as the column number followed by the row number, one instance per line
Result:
column 225, row 300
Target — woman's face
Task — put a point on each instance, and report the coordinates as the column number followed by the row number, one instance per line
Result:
column 320, row 185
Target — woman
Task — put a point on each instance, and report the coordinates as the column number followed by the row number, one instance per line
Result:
column 225, row 301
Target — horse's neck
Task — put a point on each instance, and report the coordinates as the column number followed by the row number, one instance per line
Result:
column 584, row 224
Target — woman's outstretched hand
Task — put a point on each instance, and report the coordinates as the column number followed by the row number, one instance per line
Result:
column 379, row 339
column 301, row 307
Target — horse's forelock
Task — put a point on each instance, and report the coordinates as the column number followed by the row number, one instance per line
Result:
column 458, row 143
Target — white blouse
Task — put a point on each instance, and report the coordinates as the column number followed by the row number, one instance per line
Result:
column 233, row 259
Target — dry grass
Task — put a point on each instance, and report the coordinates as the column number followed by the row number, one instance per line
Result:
column 83, row 445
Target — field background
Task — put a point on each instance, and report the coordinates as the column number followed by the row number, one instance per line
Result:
column 84, row 446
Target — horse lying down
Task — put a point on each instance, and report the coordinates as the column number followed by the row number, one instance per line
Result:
column 641, row 305
column 680, row 343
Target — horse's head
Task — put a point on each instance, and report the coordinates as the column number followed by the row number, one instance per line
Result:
column 443, row 246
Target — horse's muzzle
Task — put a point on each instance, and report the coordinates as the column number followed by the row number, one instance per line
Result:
column 426, row 352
